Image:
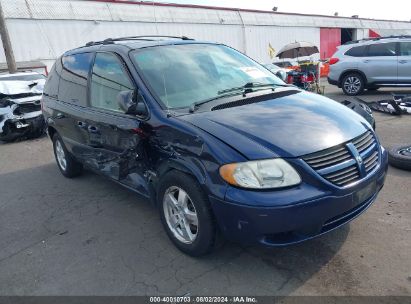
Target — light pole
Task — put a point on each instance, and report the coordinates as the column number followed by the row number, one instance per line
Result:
column 5, row 39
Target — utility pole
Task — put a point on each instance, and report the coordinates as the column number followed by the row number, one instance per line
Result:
column 5, row 39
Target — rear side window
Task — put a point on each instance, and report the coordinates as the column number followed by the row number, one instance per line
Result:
column 382, row 49
column 51, row 88
column 78, row 64
column 109, row 78
column 74, row 74
column 358, row 51
column 405, row 48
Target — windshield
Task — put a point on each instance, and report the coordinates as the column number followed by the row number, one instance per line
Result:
column 21, row 77
column 181, row 75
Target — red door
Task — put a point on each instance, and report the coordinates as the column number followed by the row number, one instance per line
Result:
column 373, row 34
column 330, row 38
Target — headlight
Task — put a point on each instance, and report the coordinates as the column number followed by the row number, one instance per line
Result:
column 262, row 174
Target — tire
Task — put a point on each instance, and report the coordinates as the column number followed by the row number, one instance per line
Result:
column 72, row 168
column 198, row 239
column 353, row 84
column 399, row 156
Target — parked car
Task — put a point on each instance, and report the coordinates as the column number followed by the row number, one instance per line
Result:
column 277, row 71
column 218, row 143
column 20, row 109
column 371, row 64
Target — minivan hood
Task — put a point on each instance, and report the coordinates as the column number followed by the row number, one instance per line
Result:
column 290, row 126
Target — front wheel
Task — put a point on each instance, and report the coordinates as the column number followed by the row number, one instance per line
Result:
column 353, row 84
column 186, row 214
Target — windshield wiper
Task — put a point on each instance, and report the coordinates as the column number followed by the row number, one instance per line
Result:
column 249, row 87
column 195, row 105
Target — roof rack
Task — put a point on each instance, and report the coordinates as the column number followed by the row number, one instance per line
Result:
column 140, row 38
column 378, row 38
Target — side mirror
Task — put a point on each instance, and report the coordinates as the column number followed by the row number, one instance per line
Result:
column 131, row 102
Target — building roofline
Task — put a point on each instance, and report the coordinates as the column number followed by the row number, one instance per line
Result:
column 149, row 3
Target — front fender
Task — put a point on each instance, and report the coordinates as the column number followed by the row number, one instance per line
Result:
column 205, row 176
column 191, row 166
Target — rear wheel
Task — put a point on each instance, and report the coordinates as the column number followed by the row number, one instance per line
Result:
column 186, row 214
column 68, row 166
column 353, row 84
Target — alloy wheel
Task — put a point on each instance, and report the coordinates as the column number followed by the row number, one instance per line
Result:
column 180, row 214
column 352, row 84
column 405, row 151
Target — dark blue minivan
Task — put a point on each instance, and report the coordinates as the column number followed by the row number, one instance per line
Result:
column 213, row 139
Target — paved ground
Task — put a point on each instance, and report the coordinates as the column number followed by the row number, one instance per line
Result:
column 88, row 236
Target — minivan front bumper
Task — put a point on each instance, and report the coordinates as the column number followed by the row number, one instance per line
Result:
column 285, row 224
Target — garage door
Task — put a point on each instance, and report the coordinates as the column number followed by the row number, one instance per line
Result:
column 330, row 38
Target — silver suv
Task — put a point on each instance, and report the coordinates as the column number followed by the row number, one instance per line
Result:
column 371, row 64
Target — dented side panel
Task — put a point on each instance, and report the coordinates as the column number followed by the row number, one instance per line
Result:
column 172, row 144
column 139, row 152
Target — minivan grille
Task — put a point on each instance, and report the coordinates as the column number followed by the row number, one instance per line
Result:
column 341, row 165
column 328, row 157
column 363, row 143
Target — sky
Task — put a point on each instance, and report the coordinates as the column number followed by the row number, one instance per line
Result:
column 378, row 9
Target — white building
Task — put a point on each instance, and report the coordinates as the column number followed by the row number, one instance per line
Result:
column 42, row 30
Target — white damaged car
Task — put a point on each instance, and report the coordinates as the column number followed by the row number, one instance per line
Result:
column 20, row 108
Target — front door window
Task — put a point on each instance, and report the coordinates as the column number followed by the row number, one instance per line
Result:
column 109, row 78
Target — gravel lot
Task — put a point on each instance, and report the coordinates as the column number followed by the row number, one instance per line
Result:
column 89, row 236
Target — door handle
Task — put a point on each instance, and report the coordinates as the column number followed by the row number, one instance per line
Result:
column 402, row 61
column 81, row 124
column 93, row 129
column 366, row 61
column 60, row 115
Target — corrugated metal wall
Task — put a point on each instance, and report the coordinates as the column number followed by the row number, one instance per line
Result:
column 45, row 40
column 259, row 37
column 44, row 29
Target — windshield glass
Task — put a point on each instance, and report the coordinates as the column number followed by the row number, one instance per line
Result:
column 181, row 75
